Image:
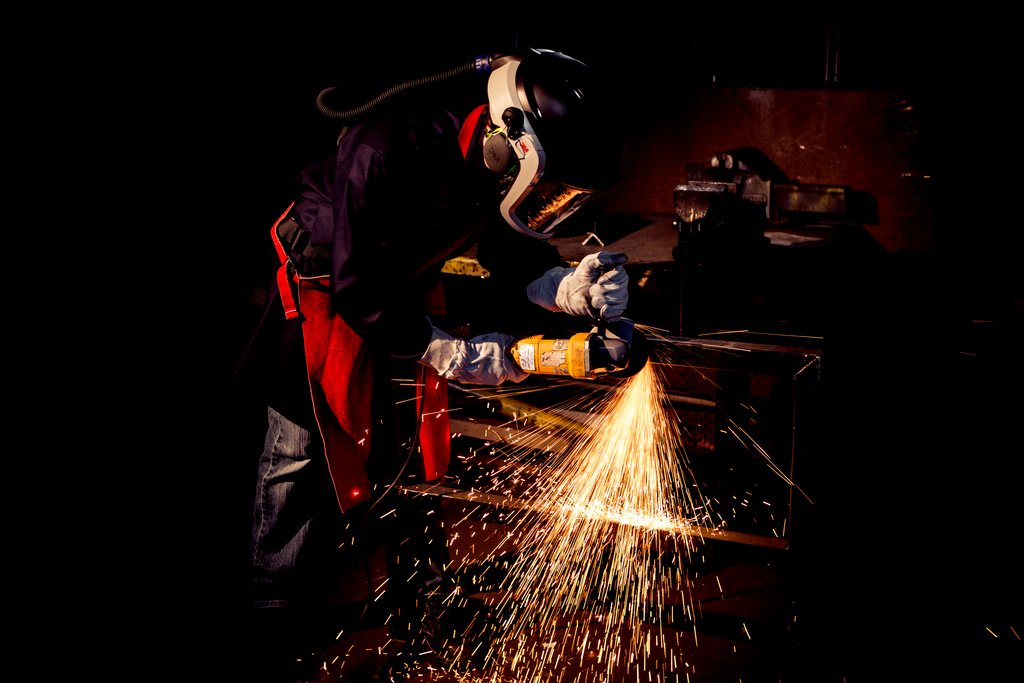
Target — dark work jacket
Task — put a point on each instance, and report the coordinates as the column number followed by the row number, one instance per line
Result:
column 389, row 208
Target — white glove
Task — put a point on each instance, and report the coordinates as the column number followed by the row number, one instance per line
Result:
column 597, row 287
column 480, row 360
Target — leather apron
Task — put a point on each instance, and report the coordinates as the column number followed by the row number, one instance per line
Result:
column 339, row 366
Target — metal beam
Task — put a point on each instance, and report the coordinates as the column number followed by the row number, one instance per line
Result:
column 493, row 500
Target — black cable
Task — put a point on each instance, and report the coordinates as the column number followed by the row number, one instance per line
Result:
column 478, row 65
column 366, row 517
column 481, row 64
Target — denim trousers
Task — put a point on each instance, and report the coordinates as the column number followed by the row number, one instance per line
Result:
column 297, row 525
column 296, row 518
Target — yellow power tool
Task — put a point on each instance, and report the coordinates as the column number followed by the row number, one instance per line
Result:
column 614, row 350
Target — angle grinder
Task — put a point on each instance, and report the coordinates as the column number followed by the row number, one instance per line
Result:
column 613, row 350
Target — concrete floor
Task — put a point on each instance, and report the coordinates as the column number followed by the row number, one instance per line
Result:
column 741, row 630
column 758, row 617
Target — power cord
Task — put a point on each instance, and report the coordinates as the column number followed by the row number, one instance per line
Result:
column 366, row 517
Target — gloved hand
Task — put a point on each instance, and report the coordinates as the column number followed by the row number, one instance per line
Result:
column 597, row 287
column 480, row 360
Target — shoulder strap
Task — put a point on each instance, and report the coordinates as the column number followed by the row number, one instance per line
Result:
column 286, row 275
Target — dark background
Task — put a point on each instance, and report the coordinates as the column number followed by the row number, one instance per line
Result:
column 254, row 111
column 920, row 484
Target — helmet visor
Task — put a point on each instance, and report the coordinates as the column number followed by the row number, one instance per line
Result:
column 549, row 203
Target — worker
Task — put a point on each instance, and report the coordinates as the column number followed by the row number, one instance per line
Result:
column 351, row 354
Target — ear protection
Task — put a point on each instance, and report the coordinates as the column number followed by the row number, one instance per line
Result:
column 511, row 148
column 498, row 153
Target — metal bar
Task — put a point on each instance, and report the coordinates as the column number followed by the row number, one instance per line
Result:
column 528, row 438
column 713, row 344
column 493, row 500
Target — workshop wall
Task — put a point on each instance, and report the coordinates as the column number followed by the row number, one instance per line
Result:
column 900, row 107
column 866, row 140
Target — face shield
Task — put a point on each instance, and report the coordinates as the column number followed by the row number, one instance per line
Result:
column 542, row 106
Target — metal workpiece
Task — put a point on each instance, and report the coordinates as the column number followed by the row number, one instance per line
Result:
column 478, row 498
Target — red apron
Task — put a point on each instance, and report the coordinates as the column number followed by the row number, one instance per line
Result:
column 340, row 369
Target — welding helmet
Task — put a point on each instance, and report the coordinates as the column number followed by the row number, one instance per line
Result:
column 547, row 138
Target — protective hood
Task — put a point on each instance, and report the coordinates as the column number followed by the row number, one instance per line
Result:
column 545, row 140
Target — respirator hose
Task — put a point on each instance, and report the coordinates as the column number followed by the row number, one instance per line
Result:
column 478, row 65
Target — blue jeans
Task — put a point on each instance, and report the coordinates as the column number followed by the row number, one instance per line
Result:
column 296, row 518
column 297, row 524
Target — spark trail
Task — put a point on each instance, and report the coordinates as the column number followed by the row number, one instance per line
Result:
column 593, row 574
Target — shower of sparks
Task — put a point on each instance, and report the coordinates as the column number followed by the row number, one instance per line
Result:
column 600, row 552
column 585, row 569
column 584, row 520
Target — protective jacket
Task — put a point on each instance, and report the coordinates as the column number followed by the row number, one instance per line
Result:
column 359, row 255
